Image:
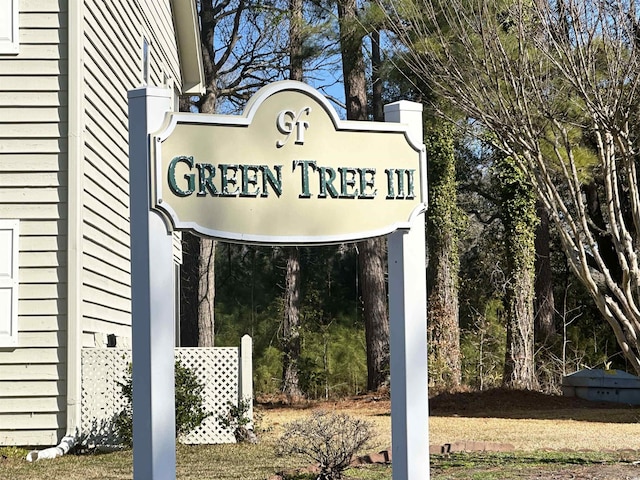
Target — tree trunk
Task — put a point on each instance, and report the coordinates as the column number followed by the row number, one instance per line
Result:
column 372, row 251
column 189, row 291
column 206, row 291
column 443, row 223
column 291, row 321
column 291, row 327
column 520, row 219
column 519, row 367
column 544, row 304
column 197, row 286
column 353, row 68
column 376, row 67
column 207, row 246
column 197, row 291
column 296, row 60
column 197, row 274
column 376, row 319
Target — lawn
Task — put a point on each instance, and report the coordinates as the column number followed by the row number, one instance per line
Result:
column 552, row 437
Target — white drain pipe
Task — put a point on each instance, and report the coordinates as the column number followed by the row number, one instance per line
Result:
column 63, row 447
column 74, row 236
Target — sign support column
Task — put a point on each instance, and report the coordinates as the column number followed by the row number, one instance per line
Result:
column 408, row 329
column 152, row 278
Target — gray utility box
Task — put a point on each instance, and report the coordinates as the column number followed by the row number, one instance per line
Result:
column 603, row 386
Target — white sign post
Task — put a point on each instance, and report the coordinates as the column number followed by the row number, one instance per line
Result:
column 152, row 299
column 289, row 172
column 408, row 330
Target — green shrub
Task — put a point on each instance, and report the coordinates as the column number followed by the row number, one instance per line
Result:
column 189, row 403
column 237, row 420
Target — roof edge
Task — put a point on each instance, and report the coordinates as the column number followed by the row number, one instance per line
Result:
column 187, row 25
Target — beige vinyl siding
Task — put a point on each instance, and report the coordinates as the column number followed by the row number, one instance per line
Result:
column 164, row 47
column 111, row 68
column 33, row 188
column 114, row 33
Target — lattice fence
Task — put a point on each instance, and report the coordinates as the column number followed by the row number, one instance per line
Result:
column 225, row 372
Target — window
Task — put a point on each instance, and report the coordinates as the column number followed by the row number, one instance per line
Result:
column 9, row 42
column 9, row 234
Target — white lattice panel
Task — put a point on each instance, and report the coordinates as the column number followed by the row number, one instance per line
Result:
column 103, row 368
column 217, row 370
column 102, row 371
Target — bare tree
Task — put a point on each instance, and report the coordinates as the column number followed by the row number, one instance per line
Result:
column 557, row 86
column 372, row 252
column 243, row 47
column 242, row 50
column 290, row 338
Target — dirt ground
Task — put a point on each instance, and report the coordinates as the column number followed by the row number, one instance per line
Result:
column 501, row 402
column 530, row 421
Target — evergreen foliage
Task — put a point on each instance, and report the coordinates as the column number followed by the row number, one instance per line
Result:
column 333, row 360
column 486, row 201
column 250, row 281
column 189, row 404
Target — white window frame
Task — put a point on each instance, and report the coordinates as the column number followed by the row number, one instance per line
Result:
column 9, row 283
column 9, row 40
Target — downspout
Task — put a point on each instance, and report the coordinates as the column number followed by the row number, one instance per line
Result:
column 75, row 158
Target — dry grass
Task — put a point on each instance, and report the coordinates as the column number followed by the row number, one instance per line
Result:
column 375, row 412
column 532, row 434
column 531, row 423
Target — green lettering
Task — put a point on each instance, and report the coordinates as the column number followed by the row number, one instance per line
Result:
column 249, row 178
column 305, row 175
column 391, row 194
column 411, row 195
column 400, row 174
column 269, row 179
column 206, row 173
column 327, row 176
column 348, row 182
column 367, row 183
column 226, row 180
column 171, row 177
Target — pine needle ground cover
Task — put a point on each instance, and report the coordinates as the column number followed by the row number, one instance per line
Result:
column 554, row 437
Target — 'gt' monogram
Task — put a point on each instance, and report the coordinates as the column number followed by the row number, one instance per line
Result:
column 288, row 121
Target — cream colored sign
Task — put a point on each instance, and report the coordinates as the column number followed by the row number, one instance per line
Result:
column 287, row 171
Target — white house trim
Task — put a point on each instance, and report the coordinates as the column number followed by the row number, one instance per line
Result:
column 75, row 222
column 9, row 235
column 9, row 40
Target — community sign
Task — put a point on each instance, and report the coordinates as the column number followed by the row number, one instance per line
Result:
column 287, row 171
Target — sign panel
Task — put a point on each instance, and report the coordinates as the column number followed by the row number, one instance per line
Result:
column 287, row 171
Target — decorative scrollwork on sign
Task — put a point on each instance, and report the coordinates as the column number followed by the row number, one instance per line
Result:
column 287, row 121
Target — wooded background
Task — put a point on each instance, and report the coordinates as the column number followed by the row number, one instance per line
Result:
column 534, row 211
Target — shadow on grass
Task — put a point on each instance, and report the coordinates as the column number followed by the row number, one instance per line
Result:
column 520, row 404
